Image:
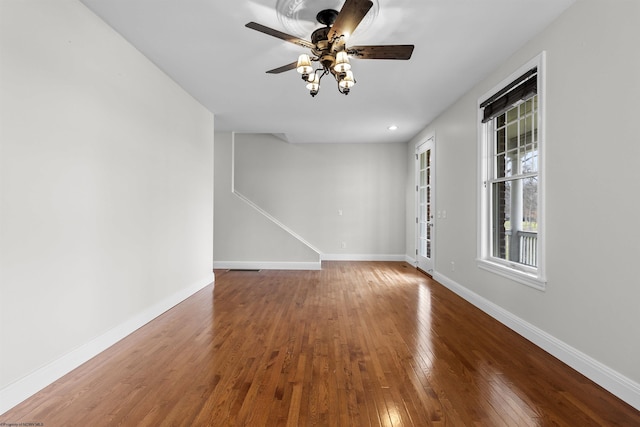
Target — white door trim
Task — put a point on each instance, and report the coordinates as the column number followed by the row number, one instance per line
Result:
column 425, row 263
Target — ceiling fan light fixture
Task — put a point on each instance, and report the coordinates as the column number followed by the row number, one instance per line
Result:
column 342, row 62
column 328, row 44
column 304, row 65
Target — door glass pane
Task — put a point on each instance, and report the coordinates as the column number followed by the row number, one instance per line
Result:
column 424, row 199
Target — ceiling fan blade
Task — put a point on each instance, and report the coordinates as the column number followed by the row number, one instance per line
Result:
column 284, row 68
column 279, row 34
column 392, row 51
column 349, row 17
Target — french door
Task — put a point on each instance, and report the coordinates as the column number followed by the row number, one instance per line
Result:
column 425, row 198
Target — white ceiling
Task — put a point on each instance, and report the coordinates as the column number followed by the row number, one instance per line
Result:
column 204, row 46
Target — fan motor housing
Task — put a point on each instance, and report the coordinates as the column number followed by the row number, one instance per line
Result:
column 320, row 40
column 328, row 60
column 320, row 34
column 327, row 16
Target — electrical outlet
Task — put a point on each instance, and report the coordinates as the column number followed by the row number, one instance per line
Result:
column 453, row 266
column 343, row 245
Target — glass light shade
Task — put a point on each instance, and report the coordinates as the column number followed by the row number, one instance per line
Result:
column 342, row 62
column 314, row 83
column 304, row 64
column 347, row 81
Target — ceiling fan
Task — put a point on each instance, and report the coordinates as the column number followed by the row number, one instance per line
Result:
column 328, row 47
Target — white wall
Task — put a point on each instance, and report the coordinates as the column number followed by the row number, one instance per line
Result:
column 304, row 186
column 106, row 190
column 592, row 298
column 244, row 237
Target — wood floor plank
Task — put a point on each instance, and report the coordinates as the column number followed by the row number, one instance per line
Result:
column 355, row 344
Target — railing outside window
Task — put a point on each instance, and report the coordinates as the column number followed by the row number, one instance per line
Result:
column 526, row 251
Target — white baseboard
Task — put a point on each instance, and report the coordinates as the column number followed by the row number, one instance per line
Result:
column 616, row 383
column 25, row 387
column 266, row 265
column 362, row 257
column 284, row 265
column 410, row 260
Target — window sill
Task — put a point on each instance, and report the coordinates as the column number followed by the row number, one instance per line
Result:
column 520, row 276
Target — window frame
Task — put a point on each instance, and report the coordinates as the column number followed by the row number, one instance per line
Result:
column 531, row 276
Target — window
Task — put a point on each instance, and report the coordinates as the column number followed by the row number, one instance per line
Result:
column 511, row 220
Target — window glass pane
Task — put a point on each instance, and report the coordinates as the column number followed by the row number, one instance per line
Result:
column 530, row 160
column 515, row 220
column 512, row 115
column 530, row 204
column 512, row 135
column 516, row 139
column 501, row 135
column 528, row 233
column 501, row 205
column 534, row 157
column 501, row 165
column 526, row 124
column 509, row 167
column 423, row 178
column 512, row 156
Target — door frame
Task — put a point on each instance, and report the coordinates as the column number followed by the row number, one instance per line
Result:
column 427, row 143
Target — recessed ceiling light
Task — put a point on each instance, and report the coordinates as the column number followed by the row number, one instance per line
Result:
column 393, row 127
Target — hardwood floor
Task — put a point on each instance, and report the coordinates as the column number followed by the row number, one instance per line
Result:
column 356, row 344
